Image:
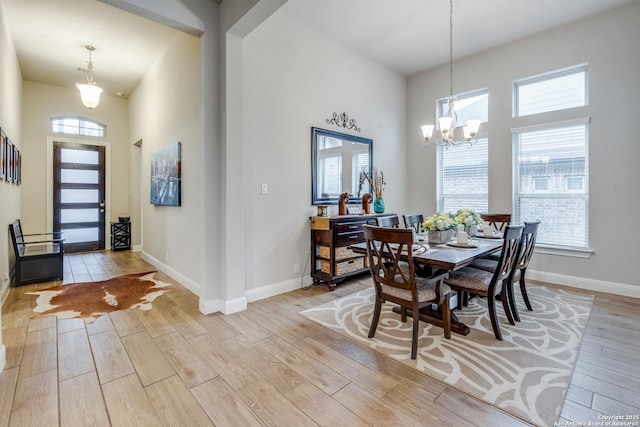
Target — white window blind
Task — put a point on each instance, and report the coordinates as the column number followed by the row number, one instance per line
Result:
column 463, row 177
column 551, row 92
column 558, row 156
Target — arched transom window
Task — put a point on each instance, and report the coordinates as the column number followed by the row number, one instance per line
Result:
column 78, row 126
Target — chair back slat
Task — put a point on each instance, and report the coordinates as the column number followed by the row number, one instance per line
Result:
column 385, row 248
column 414, row 221
column 388, row 221
column 510, row 253
column 528, row 244
column 497, row 221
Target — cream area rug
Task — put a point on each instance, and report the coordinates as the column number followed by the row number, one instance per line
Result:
column 91, row 300
column 526, row 374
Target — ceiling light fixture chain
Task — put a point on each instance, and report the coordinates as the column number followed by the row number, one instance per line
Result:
column 449, row 121
column 90, row 65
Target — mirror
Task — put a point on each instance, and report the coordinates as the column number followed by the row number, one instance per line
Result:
column 338, row 161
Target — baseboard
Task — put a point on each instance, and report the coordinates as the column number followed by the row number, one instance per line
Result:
column 276, row 289
column 174, row 274
column 136, row 248
column 224, row 307
column 210, row 306
column 585, row 283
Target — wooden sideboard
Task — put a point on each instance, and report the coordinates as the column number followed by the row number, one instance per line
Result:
column 331, row 259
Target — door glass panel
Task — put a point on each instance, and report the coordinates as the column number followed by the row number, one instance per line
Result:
column 78, row 215
column 77, row 235
column 68, row 155
column 78, row 176
column 79, row 196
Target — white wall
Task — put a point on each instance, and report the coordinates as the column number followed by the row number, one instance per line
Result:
column 166, row 107
column 608, row 43
column 295, row 78
column 10, row 88
column 40, row 102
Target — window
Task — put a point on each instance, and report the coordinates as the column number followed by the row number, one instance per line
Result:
column 550, row 166
column 463, row 177
column 554, row 91
column 463, row 171
column 78, row 126
column 575, row 183
column 541, row 183
column 472, row 105
column 550, row 160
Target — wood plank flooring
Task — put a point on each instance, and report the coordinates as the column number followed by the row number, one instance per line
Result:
column 268, row 365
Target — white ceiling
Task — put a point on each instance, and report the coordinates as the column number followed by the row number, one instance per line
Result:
column 406, row 35
column 50, row 38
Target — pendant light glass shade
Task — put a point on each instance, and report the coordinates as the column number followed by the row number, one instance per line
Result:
column 90, row 94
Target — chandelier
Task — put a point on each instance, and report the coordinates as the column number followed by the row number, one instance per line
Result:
column 448, row 122
column 89, row 92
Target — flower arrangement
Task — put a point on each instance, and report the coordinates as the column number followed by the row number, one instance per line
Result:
column 376, row 181
column 439, row 222
column 467, row 217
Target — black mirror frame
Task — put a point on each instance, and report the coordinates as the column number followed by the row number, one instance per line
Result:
column 315, row 132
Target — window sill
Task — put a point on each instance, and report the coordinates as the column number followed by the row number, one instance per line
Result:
column 563, row 251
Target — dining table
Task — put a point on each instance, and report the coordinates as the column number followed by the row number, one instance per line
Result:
column 449, row 256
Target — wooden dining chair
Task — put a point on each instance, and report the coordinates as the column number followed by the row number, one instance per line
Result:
column 527, row 243
column 414, row 221
column 487, row 284
column 388, row 221
column 395, row 281
column 497, row 221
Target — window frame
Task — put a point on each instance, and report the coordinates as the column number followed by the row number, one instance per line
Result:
column 563, row 72
column 79, row 128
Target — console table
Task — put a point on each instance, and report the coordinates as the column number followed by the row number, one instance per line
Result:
column 331, row 258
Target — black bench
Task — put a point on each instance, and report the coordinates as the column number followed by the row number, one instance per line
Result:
column 36, row 259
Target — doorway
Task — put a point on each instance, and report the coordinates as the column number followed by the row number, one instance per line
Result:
column 79, row 195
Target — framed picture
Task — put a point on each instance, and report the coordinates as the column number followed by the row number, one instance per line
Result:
column 18, row 170
column 166, row 169
column 9, row 160
column 3, row 156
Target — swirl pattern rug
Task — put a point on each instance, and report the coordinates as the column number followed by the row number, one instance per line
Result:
column 526, row 374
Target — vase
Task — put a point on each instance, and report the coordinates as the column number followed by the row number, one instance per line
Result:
column 440, row 236
column 378, row 205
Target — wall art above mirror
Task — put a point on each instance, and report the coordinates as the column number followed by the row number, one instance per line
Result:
column 338, row 161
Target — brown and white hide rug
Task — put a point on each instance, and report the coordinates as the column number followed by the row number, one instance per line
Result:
column 91, row 300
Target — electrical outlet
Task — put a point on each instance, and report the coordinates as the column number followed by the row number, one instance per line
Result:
column 296, row 268
column 166, row 257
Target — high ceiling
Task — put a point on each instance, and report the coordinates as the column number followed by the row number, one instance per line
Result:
column 413, row 35
column 406, row 35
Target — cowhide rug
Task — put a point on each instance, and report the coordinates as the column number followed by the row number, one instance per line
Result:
column 91, row 300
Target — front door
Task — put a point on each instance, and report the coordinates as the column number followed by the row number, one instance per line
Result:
column 78, row 195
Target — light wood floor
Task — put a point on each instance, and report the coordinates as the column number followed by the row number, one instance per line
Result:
column 267, row 365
